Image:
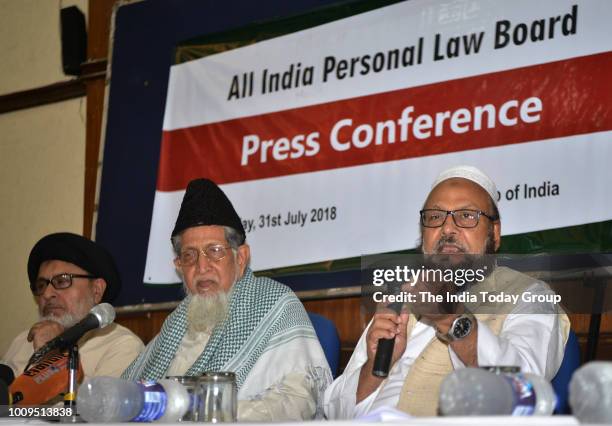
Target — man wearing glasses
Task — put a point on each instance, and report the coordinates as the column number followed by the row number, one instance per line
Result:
column 460, row 225
column 233, row 321
column 70, row 274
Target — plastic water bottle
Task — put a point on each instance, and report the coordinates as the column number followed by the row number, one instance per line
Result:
column 476, row 392
column 590, row 392
column 109, row 399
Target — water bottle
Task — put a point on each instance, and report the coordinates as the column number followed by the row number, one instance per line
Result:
column 590, row 392
column 109, row 399
column 476, row 392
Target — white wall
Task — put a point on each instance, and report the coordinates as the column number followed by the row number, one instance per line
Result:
column 42, row 152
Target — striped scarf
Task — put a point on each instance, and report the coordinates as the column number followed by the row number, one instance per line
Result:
column 262, row 314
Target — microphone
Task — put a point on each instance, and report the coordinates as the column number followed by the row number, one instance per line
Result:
column 42, row 381
column 384, row 349
column 5, row 399
column 6, row 374
column 4, row 395
column 590, row 393
column 98, row 317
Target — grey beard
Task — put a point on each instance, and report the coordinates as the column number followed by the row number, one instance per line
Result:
column 206, row 312
column 66, row 320
column 79, row 311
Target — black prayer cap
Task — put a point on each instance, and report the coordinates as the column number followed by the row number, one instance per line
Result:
column 205, row 203
column 80, row 251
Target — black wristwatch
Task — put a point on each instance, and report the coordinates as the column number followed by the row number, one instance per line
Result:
column 461, row 328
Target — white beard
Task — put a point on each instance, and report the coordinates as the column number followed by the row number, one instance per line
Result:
column 79, row 311
column 206, row 312
column 66, row 320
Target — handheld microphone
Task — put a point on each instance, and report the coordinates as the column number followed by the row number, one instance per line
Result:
column 42, row 381
column 98, row 317
column 6, row 374
column 384, row 349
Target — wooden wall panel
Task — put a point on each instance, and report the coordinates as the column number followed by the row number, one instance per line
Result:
column 351, row 319
column 100, row 12
column 146, row 325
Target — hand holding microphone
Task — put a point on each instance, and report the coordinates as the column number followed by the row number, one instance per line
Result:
column 386, row 337
column 386, row 340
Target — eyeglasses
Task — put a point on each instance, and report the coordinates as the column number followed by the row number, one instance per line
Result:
column 465, row 218
column 59, row 282
column 190, row 256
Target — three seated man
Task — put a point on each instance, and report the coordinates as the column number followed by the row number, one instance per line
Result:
column 231, row 320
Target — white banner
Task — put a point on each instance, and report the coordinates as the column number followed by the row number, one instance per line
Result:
column 327, row 140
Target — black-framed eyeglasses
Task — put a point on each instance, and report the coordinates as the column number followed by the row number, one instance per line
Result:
column 464, row 218
column 215, row 252
column 59, row 282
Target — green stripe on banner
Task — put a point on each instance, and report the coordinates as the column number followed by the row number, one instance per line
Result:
column 589, row 238
column 200, row 47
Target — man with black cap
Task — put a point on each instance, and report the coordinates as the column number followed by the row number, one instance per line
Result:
column 70, row 274
column 233, row 321
column 460, row 226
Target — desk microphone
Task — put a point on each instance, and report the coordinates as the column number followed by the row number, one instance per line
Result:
column 6, row 374
column 4, row 396
column 5, row 399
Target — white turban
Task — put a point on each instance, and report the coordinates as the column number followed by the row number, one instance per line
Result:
column 469, row 173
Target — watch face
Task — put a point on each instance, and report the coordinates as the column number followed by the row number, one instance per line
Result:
column 462, row 327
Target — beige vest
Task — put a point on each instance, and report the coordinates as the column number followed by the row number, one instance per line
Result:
column 419, row 394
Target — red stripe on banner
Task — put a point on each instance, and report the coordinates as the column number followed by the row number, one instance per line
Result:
column 540, row 102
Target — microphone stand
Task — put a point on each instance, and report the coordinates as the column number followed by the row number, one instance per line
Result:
column 70, row 396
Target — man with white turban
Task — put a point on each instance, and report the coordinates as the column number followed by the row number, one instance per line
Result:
column 428, row 346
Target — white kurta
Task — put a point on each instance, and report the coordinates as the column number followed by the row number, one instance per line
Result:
column 103, row 352
column 279, row 386
column 531, row 338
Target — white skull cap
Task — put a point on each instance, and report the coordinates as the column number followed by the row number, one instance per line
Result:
column 469, row 173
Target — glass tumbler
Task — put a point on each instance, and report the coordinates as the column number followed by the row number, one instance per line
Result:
column 218, row 397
